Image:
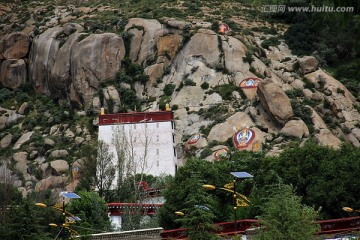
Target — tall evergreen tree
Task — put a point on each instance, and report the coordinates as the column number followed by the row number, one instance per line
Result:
column 198, row 218
column 25, row 223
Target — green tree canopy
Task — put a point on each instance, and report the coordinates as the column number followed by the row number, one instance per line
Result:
column 92, row 210
column 284, row 217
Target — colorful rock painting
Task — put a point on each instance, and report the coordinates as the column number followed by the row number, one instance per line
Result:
column 218, row 154
column 223, row 28
column 75, row 172
column 43, row 185
column 249, row 86
column 194, row 138
column 243, row 138
column 256, row 146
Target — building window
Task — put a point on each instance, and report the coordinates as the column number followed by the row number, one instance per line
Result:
column 174, row 152
column 157, row 163
column 157, row 151
column 157, row 125
column 157, row 137
column 173, row 137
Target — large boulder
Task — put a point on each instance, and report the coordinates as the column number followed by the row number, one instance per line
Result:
column 223, row 131
column 295, row 128
column 143, row 42
column 275, row 101
column 326, row 138
column 234, row 51
column 112, row 95
column 343, row 99
column 21, row 162
column 204, row 45
column 308, row 64
column 6, row 140
column 23, row 139
column 59, row 167
column 42, row 57
column 14, row 46
column 51, row 182
column 13, row 73
column 95, row 59
column 197, row 141
column 154, row 72
column 317, row 121
column 60, row 77
column 8, row 117
column 59, row 153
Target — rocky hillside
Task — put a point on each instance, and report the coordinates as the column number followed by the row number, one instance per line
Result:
column 60, row 64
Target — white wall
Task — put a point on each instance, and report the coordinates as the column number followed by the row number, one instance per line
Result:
column 153, row 140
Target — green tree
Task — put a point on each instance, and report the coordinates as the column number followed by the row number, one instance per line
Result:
column 105, row 169
column 92, row 210
column 182, row 190
column 27, row 223
column 87, row 168
column 198, row 218
column 325, row 177
column 285, row 218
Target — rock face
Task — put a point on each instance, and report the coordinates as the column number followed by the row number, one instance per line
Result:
column 59, row 153
column 13, row 73
column 326, row 138
column 143, row 42
column 8, row 117
column 95, row 59
column 59, row 166
column 295, row 128
column 6, row 140
column 308, row 64
column 60, row 77
column 63, row 63
column 275, row 101
column 223, row 131
column 200, row 143
column 168, row 45
column 24, row 138
column 14, row 46
column 42, row 58
column 203, row 46
column 112, row 95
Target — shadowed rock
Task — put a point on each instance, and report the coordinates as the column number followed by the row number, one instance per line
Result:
column 275, row 101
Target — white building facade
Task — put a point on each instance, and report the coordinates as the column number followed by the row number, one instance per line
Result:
column 141, row 142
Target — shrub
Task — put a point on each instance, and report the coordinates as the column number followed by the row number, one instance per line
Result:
column 5, row 94
column 225, row 91
column 168, row 89
column 272, row 41
column 189, row 82
column 248, row 57
column 204, row 85
column 205, row 152
column 294, row 93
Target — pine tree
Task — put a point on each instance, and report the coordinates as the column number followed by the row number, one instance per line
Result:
column 198, row 218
